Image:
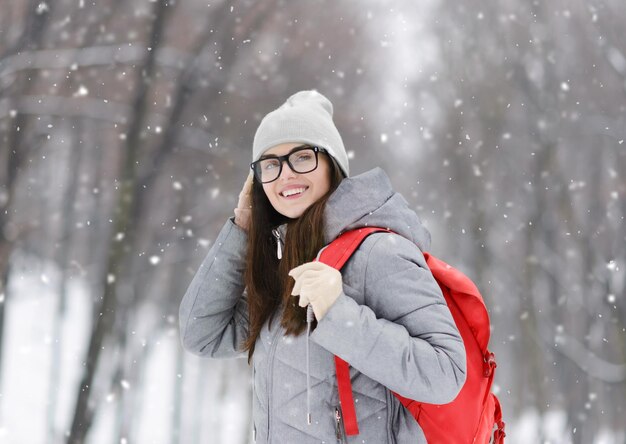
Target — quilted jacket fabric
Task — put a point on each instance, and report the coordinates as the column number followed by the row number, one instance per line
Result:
column 391, row 324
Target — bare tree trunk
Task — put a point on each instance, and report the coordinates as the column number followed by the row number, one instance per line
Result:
column 176, row 414
column 62, row 255
column 35, row 27
column 6, row 243
column 178, row 279
column 532, row 343
column 16, row 151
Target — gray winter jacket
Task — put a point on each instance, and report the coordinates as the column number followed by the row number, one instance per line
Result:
column 391, row 324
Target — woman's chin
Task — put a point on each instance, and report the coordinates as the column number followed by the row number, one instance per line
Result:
column 292, row 213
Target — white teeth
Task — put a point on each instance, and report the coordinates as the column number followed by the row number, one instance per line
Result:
column 293, row 191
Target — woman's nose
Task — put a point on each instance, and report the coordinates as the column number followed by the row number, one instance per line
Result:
column 286, row 170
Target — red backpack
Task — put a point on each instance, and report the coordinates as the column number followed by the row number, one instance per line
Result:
column 471, row 417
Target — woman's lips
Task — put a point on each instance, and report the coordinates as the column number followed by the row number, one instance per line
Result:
column 294, row 196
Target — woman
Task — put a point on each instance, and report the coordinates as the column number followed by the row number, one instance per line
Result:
column 383, row 313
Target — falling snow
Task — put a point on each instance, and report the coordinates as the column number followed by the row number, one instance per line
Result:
column 502, row 127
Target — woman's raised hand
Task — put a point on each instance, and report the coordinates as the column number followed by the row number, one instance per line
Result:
column 243, row 211
column 317, row 284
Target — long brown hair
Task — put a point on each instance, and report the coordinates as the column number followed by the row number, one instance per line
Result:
column 266, row 279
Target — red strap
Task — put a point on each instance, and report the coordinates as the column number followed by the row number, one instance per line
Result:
column 336, row 255
column 345, row 397
column 498, row 435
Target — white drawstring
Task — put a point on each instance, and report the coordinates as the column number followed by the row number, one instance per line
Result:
column 309, row 320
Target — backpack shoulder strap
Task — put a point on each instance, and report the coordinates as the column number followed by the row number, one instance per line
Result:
column 336, row 255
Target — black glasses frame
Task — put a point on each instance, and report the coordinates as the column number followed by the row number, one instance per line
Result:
column 285, row 158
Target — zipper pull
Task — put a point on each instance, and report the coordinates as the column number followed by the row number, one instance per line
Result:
column 338, row 424
column 279, row 251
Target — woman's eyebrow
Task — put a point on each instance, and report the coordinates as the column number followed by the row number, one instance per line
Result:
column 267, row 156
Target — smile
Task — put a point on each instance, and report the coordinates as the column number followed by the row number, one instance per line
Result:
column 294, row 193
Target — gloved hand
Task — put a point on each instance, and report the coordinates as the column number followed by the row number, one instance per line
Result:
column 318, row 284
column 243, row 212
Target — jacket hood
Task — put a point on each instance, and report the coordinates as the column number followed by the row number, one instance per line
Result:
column 368, row 200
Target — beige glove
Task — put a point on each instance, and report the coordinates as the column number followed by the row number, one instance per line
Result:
column 243, row 211
column 317, row 284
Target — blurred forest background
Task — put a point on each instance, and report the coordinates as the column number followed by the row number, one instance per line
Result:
column 125, row 137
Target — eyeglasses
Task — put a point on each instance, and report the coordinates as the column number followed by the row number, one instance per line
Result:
column 302, row 159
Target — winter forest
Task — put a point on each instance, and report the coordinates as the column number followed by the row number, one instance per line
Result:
column 125, row 136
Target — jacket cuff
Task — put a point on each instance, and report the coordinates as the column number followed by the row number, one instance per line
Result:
column 339, row 330
column 236, row 236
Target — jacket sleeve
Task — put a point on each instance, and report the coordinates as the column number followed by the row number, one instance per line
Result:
column 213, row 313
column 404, row 337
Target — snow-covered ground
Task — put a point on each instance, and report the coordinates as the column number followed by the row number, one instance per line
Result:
column 211, row 411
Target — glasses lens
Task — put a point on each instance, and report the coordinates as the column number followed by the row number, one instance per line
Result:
column 303, row 161
column 268, row 169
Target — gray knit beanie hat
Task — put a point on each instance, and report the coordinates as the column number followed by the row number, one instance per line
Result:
column 307, row 117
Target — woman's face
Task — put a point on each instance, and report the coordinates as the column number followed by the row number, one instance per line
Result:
column 316, row 183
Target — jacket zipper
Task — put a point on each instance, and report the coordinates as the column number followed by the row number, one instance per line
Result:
column 391, row 414
column 253, row 395
column 270, row 384
column 339, row 428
